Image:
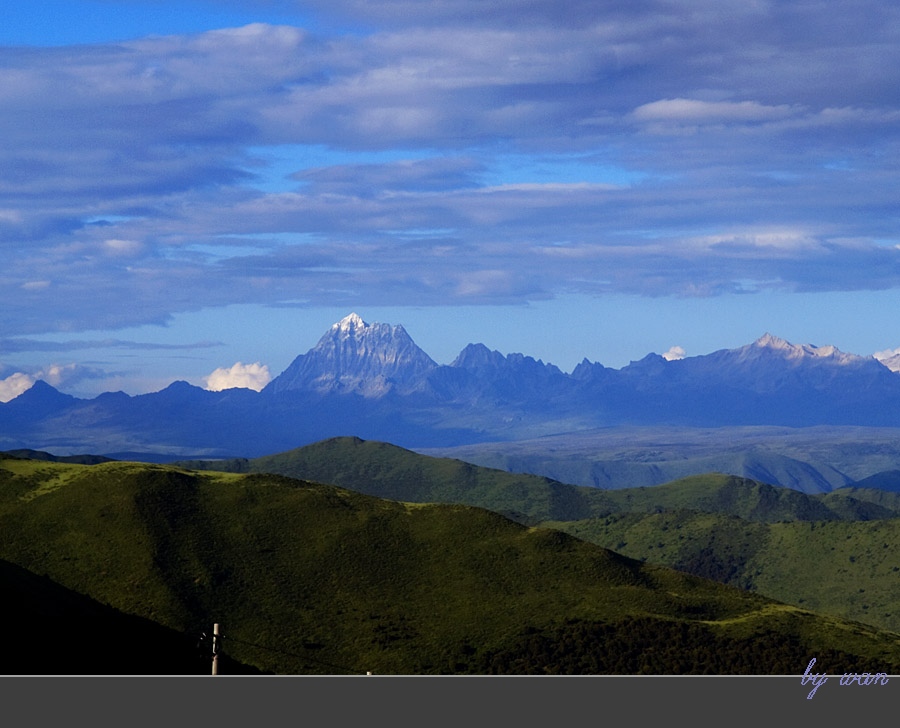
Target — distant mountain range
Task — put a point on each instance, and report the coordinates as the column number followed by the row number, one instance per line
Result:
column 374, row 382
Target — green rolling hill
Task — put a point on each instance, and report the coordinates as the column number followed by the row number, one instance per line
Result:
column 848, row 569
column 312, row 578
column 388, row 471
column 738, row 531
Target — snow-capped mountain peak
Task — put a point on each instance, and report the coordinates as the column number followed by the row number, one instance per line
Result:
column 353, row 356
column 352, row 322
column 794, row 351
column 768, row 341
column 890, row 358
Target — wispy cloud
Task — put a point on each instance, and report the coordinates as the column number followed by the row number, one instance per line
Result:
column 18, row 345
column 693, row 112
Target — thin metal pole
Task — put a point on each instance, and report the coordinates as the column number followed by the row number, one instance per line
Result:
column 215, row 649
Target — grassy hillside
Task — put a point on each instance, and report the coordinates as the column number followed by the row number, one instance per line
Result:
column 387, row 471
column 752, row 501
column 41, row 455
column 711, row 525
column 849, row 569
column 310, row 578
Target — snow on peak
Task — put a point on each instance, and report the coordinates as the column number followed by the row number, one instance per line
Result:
column 349, row 323
column 772, row 342
column 890, row 358
column 793, row 351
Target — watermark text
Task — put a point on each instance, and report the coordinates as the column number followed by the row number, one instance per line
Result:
column 817, row 680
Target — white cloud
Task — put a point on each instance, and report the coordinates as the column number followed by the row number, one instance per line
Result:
column 57, row 374
column 35, row 285
column 673, row 354
column 123, row 248
column 250, row 376
column 14, row 385
column 693, row 111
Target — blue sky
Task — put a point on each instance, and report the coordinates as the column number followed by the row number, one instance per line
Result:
column 185, row 186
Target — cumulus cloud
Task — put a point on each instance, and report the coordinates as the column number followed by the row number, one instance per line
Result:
column 250, row 376
column 14, row 385
column 62, row 376
column 674, row 353
column 57, row 374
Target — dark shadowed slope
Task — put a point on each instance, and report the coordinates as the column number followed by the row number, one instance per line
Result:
column 52, row 630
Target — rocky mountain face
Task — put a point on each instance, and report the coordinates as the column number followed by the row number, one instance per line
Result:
column 373, row 381
column 356, row 357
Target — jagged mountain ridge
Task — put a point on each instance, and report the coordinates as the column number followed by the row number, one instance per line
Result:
column 373, row 381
